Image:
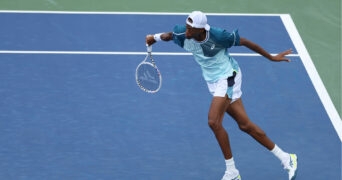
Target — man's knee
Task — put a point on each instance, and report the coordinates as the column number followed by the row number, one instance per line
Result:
column 245, row 127
column 214, row 124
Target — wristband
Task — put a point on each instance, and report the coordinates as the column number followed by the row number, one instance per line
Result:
column 157, row 37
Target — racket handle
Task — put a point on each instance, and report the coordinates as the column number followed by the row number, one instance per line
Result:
column 149, row 48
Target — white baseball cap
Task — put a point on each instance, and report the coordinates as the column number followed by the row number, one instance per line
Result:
column 199, row 20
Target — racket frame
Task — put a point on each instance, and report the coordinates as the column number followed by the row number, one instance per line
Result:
column 153, row 64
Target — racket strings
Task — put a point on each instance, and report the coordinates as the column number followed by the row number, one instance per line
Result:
column 148, row 77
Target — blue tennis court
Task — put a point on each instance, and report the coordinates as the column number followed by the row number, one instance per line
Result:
column 70, row 107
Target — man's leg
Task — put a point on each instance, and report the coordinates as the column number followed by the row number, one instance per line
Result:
column 237, row 111
column 215, row 118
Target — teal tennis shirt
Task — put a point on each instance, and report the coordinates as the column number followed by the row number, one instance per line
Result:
column 212, row 53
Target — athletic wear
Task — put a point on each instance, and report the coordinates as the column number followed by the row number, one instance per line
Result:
column 226, row 177
column 291, row 166
column 231, row 172
column 230, row 86
column 211, row 54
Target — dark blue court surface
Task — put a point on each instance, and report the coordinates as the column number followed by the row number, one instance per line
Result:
column 81, row 116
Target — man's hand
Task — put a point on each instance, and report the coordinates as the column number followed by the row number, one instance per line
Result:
column 281, row 56
column 150, row 40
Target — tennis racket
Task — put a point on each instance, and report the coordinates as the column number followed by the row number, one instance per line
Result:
column 147, row 74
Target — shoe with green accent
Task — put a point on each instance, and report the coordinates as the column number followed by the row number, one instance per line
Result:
column 291, row 166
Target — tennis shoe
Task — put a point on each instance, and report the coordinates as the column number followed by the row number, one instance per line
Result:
column 228, row 176
column 291, row 166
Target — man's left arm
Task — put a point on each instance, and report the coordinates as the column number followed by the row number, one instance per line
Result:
column 258, row 49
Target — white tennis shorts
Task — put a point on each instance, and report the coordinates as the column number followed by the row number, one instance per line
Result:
column 230, row 86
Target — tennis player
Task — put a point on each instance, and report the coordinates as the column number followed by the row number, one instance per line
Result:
column 209, row 46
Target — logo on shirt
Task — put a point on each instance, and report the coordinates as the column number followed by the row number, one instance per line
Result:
column 212, row 47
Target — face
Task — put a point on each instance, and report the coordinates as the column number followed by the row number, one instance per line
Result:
column 192, row 32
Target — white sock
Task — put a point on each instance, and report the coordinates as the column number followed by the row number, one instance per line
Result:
column 230, row 167
column 280, row 154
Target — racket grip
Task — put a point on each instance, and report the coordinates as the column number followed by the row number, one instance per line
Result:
column 149, row 48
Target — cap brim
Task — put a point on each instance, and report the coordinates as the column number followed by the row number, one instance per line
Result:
column 207, row 27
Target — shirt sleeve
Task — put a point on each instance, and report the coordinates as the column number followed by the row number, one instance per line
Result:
column 234, row 38
column 178, row 35
column 227, row 39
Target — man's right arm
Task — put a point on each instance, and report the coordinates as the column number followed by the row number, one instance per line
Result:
column 151, row 39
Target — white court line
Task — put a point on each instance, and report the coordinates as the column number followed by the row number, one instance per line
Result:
column 119, row 53
column 313, row 74
column 134, row 13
